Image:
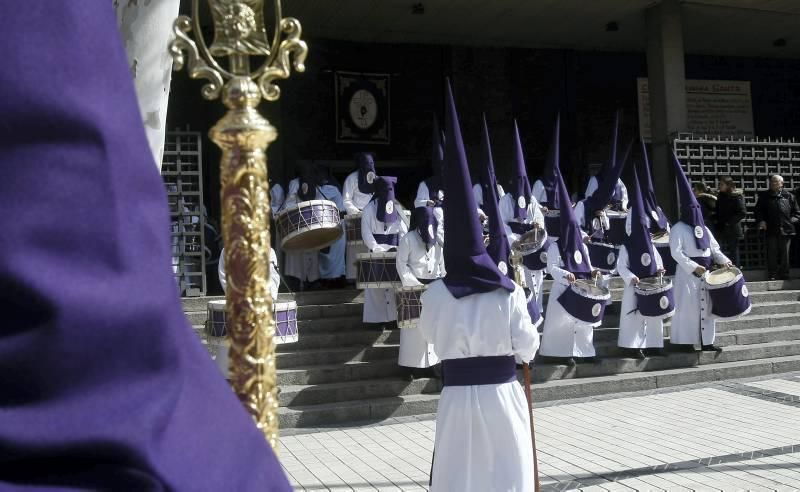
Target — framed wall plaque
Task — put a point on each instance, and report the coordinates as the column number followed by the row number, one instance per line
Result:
column 362, row 108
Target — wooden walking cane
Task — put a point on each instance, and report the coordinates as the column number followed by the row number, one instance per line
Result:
column 526, row 377
column 516, row 263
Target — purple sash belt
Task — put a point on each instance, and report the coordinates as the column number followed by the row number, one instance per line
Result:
column 386, row 239
column 703, row 261
column 477, row 371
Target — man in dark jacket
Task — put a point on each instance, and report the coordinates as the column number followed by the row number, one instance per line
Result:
column 777, row 213
column 730, row 213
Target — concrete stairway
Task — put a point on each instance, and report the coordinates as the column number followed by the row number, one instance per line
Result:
column 344, row 371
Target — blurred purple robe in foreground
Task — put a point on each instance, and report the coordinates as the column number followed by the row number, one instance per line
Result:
column 103, row 384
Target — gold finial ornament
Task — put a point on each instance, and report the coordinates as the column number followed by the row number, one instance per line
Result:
column 244, row 134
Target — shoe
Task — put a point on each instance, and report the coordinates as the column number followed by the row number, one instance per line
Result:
column 711, row 348
column 590, row 360
column 639, row 354
column 683, row 348
column 654, row 352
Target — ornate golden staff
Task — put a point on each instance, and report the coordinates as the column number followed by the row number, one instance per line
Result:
column 243, row 135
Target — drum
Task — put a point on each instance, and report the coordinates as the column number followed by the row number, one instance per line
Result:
column 728, row 293
column 409, row 305
column 654, row 297
column 616, row 227
column 661, row 242
column 377, row 271
column 310, row 225
column 284, row 314
column 603, row 256
column 552, row 223
column 352, row 228
column 585, row 302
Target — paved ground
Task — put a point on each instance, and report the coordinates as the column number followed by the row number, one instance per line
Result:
column 731, row 435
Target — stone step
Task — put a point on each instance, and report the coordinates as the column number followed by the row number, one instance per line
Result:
column 337, row 413
column 295, row 395
column 325, row 312
column 341, row 296
column 333, row 355
column 751, row 336
column 359, row 338
column 335, row 373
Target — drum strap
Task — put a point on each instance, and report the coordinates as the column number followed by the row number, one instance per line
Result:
column 478, row 371
column 704, row 261
column 386, row 239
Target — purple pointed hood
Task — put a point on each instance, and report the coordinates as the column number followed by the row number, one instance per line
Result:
column 691, row 212
column 366, row 172
column 639, row 243
column 548, row 177
column 386, row 211
column 434, row 183
column 424, row 222
column 520, row 185
column 553, row 166
column 608, row 186
column 105, row 385
column 498, row 247
column 570, row 241
column 654, row 212
column 470, row 269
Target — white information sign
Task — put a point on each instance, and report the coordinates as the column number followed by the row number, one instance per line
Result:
column 715, row 107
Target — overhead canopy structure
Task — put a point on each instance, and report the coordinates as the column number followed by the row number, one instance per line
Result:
column 711, row 27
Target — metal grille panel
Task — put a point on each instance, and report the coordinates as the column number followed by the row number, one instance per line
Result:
column 182, row 172
column 750, row 162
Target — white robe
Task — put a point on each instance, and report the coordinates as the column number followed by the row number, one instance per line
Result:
column 380, row 305
column 692, row 302
column 277, row 197
column 332, row 263
column 533, row 278
column 539, row 193
column 303, row 265
column 477, row 192
column 354, row 202
column 563, row 336
column 592, row 185
column 274, row 277
column 636, row 331
column 415, row 261
column 482, row 432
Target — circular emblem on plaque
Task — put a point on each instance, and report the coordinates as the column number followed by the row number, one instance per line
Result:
column 521, row 203
column 611, row 258
column 698, row 232
column 430, row 230
column 663, row 302
column 503, row 267
column 596, row 310
column 578, row 257
column 654, row 215
column 745, row 292
column 370, row 177
column 304, row 188
column 543, row 257
column 389, row 207
column 646, row 259
column 440, row 195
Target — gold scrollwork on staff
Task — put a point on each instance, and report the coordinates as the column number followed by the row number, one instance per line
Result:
column 244, row 134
